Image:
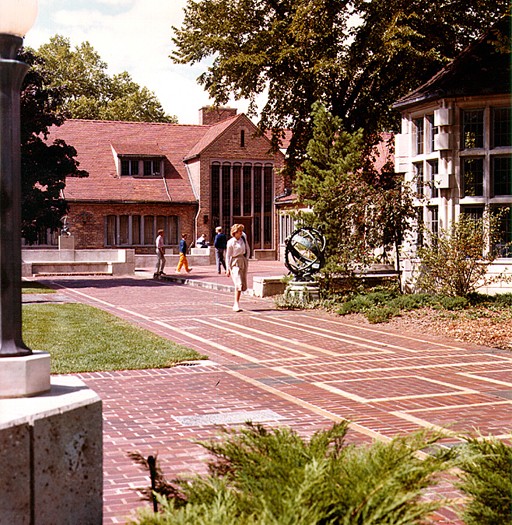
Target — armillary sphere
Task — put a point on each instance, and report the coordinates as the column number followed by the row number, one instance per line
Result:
column 304, row 253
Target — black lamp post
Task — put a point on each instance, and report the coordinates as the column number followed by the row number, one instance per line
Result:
column 16, row 18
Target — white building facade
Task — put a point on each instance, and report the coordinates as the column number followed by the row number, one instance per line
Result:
column 455, row 145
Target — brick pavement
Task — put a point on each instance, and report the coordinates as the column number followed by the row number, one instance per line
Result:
column 301, row 369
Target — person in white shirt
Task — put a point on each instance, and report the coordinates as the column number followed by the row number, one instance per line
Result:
column 237, row 255
column 202, row 242
column 160, row 255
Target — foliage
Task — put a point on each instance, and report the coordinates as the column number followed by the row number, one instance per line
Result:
column 84, row 339
column 455, row 261
column 44, row 165
column 357, row 58
column 262, row 476
column 486, row 478
column 382, row 305
column 355, row 215
column 89, row 92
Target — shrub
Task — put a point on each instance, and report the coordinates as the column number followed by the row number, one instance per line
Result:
column 455, row 261
column 259, row 476
column 381, row 314
column 453, row 303
column 486, row 478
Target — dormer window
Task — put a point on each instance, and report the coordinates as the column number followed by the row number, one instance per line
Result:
column 152, row 167
column 129, row 167
column 142, row 166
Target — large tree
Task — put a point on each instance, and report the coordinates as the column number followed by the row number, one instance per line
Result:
column 356, row 57
column 89, row 92
column 44, row 165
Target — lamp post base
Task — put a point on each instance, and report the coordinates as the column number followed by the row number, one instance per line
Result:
column 25, row 376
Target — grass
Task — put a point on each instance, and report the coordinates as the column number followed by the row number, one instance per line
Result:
column 81, row 338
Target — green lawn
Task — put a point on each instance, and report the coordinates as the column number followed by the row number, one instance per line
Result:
column 81, row 338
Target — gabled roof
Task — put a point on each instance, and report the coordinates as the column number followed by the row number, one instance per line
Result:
column 483, row 68
column 214, row 132
column 97, row 143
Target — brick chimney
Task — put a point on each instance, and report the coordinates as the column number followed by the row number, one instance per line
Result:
column 209, row 115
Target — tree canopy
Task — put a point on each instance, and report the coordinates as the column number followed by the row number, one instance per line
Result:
column 88, row 91
column 44, row 165
column 356, row 57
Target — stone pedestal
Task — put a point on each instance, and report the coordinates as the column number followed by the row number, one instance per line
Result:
column 66, row 242
column 51, row 466
column 303, row 291
column 25, row 376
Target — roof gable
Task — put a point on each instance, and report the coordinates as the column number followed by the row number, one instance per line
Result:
column 483, row 68
column 217, row 131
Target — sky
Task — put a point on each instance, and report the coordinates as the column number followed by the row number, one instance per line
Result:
column 133, row 36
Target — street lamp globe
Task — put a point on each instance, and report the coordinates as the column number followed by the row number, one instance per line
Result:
column 17, row 16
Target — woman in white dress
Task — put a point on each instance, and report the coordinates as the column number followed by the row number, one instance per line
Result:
column 237, row 254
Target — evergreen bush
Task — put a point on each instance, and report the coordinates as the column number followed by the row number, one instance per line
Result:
column 261, row 477
column 486, row 479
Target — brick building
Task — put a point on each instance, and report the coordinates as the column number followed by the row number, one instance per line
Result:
column 182, row 178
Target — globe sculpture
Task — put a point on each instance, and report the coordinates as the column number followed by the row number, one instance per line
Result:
column 304, row 253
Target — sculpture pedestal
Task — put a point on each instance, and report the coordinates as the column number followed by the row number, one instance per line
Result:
column 304, row 291
column 25, row 376
column 51, row 457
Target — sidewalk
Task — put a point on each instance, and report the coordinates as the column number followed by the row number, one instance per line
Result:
column 302, row 369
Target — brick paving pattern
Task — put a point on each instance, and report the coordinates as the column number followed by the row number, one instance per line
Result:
column 303, row 369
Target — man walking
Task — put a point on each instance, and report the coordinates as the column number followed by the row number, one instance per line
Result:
column 160, row 255
column 220, row 243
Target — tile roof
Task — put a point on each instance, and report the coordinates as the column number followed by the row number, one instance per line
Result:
column 94, row 141
column 483, row 68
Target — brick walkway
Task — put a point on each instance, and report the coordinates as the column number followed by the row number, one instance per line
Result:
column 301, row 369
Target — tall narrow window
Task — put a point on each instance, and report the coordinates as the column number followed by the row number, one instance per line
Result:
column 237, row 194
column 111, row 230
column 473, row 176
column 434, row 172
column 136, row 229
column 502, row 175
column 420, row 135
column 149, row 229
column 247, row 188
column 420, row 225
column 433, row 212
column 242, row 138
column 226, row 189
column 501, row 127
column 473, row 129
column 503, row 248
column 433, row 132
column 215, row 191
column 124, row 230
column 420, row 182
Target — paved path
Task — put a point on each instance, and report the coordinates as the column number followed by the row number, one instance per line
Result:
column 302, row 369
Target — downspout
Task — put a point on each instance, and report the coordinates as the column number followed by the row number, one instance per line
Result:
column 198, row 203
